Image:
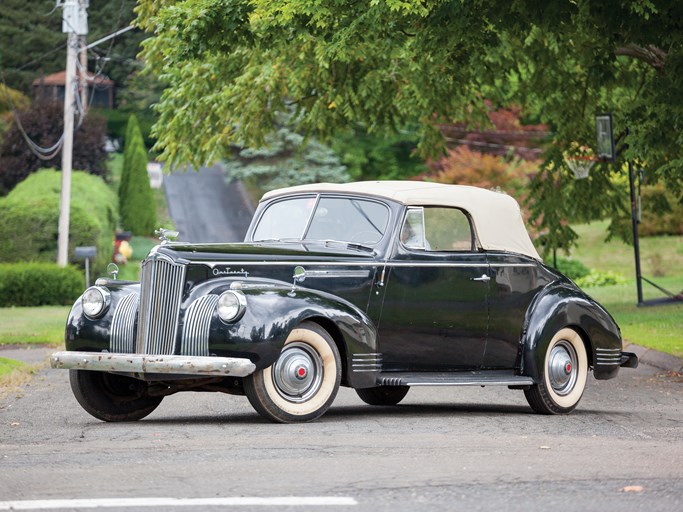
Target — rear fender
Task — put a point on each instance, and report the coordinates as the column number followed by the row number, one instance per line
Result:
column 561, row 305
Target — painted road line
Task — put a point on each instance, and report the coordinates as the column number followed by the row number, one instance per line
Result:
column 283, row 501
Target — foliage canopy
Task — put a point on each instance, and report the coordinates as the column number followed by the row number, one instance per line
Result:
column 231, row 65
column 43, row 123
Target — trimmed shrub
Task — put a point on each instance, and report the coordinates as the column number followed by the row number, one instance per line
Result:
column 29, row 218
column 39, row 284
column 137, row 205
column 133, row 139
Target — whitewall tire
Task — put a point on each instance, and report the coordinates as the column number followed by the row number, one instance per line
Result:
column 302, row 384
column 565, row 372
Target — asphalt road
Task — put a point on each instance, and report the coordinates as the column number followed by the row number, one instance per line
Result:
column 204, row 208
column 455, row 449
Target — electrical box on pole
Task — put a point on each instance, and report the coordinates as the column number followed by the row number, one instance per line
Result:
column 75, row 17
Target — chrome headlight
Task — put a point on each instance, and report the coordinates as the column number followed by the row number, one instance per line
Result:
column 95, row 301
column 231, row 305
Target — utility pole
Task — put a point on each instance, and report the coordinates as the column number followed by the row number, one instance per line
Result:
column 83, row 75
column 74, row 23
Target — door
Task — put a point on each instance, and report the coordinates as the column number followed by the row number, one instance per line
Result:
column 435, row 313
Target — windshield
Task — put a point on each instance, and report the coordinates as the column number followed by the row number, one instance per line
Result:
column 342, row 219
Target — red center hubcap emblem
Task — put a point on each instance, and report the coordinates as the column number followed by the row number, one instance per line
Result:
column 568, row 368
column 301, row 372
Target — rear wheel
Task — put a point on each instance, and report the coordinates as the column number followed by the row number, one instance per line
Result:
column 383, row 395
column 302, row 384
column 565, row 372
column 110, row 397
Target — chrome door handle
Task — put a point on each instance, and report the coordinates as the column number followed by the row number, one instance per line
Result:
column 483, row 278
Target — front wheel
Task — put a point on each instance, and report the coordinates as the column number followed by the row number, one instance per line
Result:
column 110, row 397
column 302, row 384
column 565, row 372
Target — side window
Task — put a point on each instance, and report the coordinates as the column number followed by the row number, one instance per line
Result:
column 437, row 229
column 448, row 229
column 412, row 232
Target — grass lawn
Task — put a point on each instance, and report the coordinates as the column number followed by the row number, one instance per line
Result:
column 658, row 327
column 43, row 324
column 8, row 366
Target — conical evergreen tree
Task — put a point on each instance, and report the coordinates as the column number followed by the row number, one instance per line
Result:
column 136, row 201
column 133, row 136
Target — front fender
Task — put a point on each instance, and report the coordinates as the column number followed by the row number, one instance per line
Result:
column 561, row 304
column 86, row 335
column 273, row 311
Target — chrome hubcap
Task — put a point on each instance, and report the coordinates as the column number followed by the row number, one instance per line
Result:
column 298, row 372
column 562, row 368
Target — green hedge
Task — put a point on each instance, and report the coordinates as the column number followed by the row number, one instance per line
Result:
column 573, row 269
column 29, row 218
column 39, row 284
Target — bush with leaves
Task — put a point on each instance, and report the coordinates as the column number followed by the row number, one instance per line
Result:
column 573, row 269
column 29, row 218
column 598, row 278
column 43, row 122
column 662, row 212
column 464, row 166
column 39, row 284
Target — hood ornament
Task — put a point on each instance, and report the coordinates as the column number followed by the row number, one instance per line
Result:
column 165, row 235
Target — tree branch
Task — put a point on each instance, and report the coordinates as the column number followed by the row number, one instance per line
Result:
column 650, row 54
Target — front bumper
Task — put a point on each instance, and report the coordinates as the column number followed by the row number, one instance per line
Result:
column 199, row 366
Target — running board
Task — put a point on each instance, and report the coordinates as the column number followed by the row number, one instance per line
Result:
column 464, row 378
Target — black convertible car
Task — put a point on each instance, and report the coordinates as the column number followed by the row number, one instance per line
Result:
column 378, row 286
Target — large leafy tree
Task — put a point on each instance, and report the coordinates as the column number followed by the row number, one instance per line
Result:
column 231, row 65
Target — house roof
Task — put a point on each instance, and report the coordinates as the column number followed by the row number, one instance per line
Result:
column 496, row 216
column 59, row 78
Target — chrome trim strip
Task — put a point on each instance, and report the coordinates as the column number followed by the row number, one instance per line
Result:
column 336, row 273
column 366, row 362
column 138, row 363
column 195, row 337
column 373, row 264
column 123, row 324
column 616, row 350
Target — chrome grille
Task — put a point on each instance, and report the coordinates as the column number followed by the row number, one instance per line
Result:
column 195, row 340
column 161, row 288
column 123, row 325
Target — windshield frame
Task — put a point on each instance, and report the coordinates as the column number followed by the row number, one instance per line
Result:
column 318, row 196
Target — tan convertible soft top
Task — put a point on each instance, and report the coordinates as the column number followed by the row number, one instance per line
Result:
column 497, row 218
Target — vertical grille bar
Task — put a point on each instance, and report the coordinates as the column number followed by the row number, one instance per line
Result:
column 123, row 325
column 195, row 338
column 160, row 295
